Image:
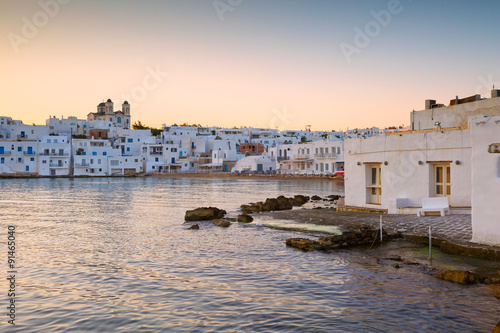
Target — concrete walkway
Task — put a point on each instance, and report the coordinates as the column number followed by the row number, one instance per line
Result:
column 456, row 228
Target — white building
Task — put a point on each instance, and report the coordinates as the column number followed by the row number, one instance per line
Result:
column 254, row 164
column 321, row 157
column 485, row 137
column 91, row 157
column 54, row 156
column 395, row 171
column 130, row 141
column 62, row 126
column 409, row 166
column 161, row 157
column 125, row 165
column 18, row 157
column 16, row 130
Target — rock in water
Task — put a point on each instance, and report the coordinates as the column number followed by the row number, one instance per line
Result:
column 496, row 329
column 462, row 277
column 221, row 223
column 316, row 198
column 204, row 214
column 302, row 243
column 301, row 199
column 245, row 218
column 194, row 227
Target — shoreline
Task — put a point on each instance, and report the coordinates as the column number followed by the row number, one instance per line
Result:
column 348, row 221
column 222, row 175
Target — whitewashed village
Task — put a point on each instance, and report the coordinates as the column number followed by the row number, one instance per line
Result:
column 450, row 151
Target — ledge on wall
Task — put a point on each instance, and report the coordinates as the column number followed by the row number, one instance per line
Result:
column 361, row 210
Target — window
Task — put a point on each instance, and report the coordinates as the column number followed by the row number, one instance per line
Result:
column 94, row 153
column 114, row 162
column 128, row 148
column 130, row 140
column 156, row 159
column 99, row 161
column 2, row 160
column 32, row 159
column 104, row 153
column 374, row 184
column 91, row 161
column 442, row 180
column 123, row 140
column 49, row 140
column 55, row 140
column 19, row 148
column 44, row 161
column 19, row 160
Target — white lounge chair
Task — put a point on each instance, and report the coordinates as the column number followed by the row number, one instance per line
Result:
column 437, row 204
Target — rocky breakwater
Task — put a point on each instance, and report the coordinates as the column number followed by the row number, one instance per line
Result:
column 274, row 204
column 358, row 237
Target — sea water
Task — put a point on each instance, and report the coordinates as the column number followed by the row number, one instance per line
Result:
column 113, row 255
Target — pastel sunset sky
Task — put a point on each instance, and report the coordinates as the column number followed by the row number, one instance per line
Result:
column 262, row 63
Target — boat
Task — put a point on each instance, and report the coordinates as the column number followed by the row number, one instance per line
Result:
column 337, row 175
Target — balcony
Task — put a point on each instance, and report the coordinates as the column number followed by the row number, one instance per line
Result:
column 56, row 165
column 29, row 153
column 5, row 153
column 54, row 154
column 283, row 158
column 156, row 153
column 324, row 155
column 82, row 165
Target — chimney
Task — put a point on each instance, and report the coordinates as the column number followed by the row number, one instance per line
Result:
column 429, row 103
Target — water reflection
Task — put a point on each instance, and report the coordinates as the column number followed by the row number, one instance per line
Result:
column 112, row 255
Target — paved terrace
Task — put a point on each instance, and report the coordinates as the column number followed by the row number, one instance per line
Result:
column 456, row 228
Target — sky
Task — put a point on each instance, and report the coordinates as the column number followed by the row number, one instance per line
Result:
column 281, row 64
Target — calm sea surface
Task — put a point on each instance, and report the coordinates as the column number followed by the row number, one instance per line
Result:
column 113, row 255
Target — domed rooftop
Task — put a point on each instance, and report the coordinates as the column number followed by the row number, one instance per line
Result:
column 125, row 102
column 109, row 100
column 102, row 104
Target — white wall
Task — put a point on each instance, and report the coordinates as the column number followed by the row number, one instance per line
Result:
column 403, row 176
column 456, row 115
column 485, row 181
